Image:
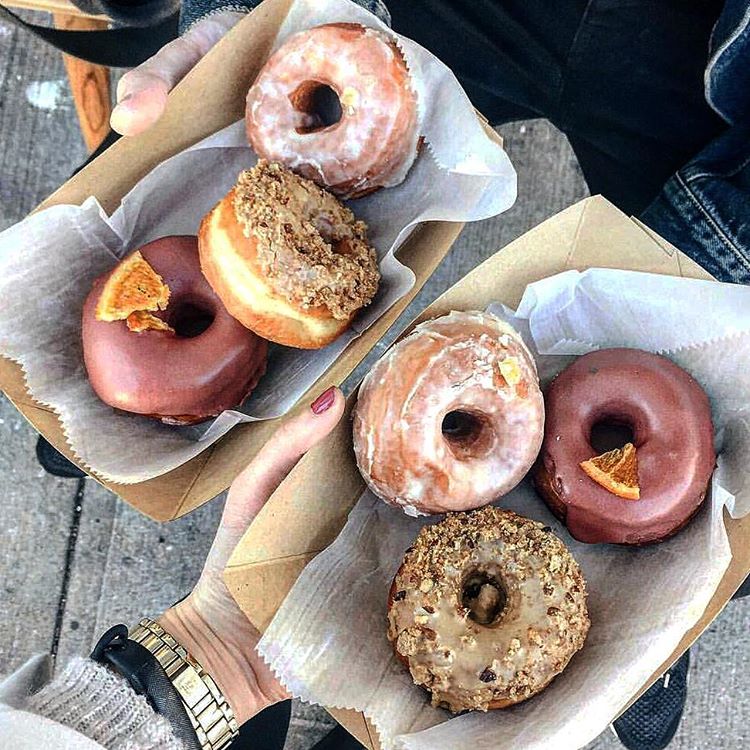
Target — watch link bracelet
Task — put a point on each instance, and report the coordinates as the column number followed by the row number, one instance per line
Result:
column 176, row 685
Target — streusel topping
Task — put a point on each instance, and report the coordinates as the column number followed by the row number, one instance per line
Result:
column 311, row 247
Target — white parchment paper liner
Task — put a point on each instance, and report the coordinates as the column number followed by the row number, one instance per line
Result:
column 49, row 260
column 328, row 641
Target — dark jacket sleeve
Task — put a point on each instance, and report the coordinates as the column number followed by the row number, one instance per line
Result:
column 124, row 13
column 150, row 12
column 194, row 10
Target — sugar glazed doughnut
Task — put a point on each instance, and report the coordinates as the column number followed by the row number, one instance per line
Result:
column 287, row 259
column 669, row 462
column 334, row 104
column 452, row 417
column 157, row 340
column 486, row 609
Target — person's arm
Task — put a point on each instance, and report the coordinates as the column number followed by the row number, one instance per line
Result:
column 89, row 702
column 142, row 92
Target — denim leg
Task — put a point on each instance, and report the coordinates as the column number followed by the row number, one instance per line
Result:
column 704, row 210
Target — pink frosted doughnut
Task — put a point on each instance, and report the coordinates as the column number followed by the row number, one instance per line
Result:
column 452, row 417
column 292, row 109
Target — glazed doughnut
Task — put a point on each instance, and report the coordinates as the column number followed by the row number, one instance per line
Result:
column 670, row 419
column 368, row 141
column 451, row 418
column 287, row 259
column 486, row 609
column 184, row 364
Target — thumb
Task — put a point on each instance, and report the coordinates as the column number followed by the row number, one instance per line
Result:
column 252, row 488
column 142, row 92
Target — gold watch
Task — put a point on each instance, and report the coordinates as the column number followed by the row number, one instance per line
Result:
column 211, row 715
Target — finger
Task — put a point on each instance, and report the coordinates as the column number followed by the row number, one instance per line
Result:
column 142, row 107
column 274, row 461
column 142, row 92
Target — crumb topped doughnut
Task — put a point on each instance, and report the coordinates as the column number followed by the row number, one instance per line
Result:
column 334, row 103
column 287, row 259
column 486, row 609
column 451, row 418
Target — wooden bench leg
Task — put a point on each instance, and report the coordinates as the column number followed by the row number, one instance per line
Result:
column 89, row 83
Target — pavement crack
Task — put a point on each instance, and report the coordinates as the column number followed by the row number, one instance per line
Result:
column 75, row 525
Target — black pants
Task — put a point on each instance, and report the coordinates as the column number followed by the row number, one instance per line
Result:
column 266, row 730
column 623, row 79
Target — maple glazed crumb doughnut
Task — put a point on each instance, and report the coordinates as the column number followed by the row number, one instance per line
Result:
column 157, row 341
column 650, row 489
column 486, row 609
column 334, row 104
column 452, row 417
column 287, row 259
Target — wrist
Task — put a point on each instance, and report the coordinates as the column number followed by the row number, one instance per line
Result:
column 222, row 660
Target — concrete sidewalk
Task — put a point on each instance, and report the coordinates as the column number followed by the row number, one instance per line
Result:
column 74, row 559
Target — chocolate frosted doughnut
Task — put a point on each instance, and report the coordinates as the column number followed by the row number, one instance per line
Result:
column 670, row 418
column 209, row 363
column 486, row 609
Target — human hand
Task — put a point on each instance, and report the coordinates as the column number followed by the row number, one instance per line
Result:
column 208, row 623
column 142, row 92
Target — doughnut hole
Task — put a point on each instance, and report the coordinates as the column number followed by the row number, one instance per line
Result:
column 467, row 433
column 608, row 434
column 320, row 104
column 190, row 319
column 485, row 596
column 330, row 233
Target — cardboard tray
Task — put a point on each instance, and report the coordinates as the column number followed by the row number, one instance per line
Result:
column 211, row 97
column 310, row 507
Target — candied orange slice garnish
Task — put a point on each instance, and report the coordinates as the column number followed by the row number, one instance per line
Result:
column 616, row 471
column 133, row 286
column 140, row 321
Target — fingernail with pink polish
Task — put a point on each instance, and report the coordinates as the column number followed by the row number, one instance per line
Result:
column 324, row 401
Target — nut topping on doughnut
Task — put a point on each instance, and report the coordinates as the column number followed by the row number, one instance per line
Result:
column 311, row 246
column 133, row 286
column 486, row 609
column 616, row 471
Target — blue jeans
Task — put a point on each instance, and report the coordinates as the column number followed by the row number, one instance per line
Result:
column 704, row 209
